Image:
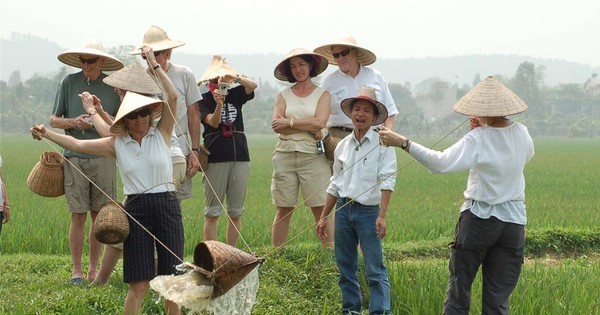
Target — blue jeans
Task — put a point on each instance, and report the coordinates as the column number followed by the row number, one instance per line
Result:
column 354, row 224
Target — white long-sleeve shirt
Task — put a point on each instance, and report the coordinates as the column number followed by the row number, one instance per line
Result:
column 496, row 158
column 362, row 169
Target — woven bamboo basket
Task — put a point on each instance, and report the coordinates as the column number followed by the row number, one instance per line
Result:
column 223, row 264
column 203, row 158
column 111, row 225
column 47, row 178
column 330, row 143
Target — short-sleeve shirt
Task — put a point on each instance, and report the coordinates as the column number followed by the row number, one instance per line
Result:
column 67, row 104
column 342, row 86
column 226, row 149
column 188, row 93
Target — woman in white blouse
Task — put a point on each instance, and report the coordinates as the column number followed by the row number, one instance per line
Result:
column 491, row 227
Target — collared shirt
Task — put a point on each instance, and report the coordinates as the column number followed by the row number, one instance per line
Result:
column 362, row 169
column 495, row 158
column 342, row 86
column 145, row 168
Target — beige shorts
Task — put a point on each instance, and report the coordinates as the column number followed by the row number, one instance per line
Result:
column 185, row 189
column 225, row 181
column 83, row 196
column 294, row 171
column 179, row 168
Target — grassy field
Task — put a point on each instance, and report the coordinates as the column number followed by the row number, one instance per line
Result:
column 563, row 239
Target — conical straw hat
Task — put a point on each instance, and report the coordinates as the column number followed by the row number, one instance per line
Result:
column 90, row 47
column 226, row 264
column 490, row 98
column 319, row 61
column 134, row 78
column 157, row 39
column 365, row 57
column 130, row 103
column 218, row 67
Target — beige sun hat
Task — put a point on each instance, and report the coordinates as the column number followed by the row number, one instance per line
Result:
column 367, row 94
column 130, row 103
column 134, row 78
column 90, row 47
column 319, row 61
column 157, row 39
column 490, row 98
column 365, row 56
column 218, row 67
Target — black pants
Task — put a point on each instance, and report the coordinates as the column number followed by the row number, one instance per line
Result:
column 498, row 248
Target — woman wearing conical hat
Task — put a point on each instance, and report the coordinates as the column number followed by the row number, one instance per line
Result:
column 491, row 228
column 228, row 168
column 144, row 158
column 299, row 164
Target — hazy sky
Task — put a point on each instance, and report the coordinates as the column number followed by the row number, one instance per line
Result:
column 565, row 29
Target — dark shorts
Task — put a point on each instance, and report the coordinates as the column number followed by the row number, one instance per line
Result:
column 160, row 214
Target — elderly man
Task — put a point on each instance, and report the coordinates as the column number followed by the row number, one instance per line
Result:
column 187, row 125
column 352, row 75
column 83, row 171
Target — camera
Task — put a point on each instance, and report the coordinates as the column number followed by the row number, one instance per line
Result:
column 223, row 88
column 320, row 147
column 227, row 129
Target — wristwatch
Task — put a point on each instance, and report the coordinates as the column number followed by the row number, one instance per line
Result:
column 404, row 144
column 92, row 112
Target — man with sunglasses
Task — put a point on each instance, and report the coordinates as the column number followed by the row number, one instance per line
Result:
column 187, row 124
column 68, row 114
column 352, row 75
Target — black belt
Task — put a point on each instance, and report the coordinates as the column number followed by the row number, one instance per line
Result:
column 344, row 129
column 350, row 201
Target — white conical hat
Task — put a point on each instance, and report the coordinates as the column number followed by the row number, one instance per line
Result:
column 365, row 57
column 157, row 39
column 218, row 67
column 130, row 103
column 319, row 62
column 490, row 98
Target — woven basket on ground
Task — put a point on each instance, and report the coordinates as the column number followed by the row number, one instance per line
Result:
column 224, row 264
column 111, row 225
column 203, row 158
column 330, row 143
column 47, row 177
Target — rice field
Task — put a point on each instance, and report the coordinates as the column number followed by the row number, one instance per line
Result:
column 563, row 189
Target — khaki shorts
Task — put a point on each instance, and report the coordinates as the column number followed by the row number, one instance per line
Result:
column 82, row 196
column 185, row 189
column 229, row 180
column 179, row 168
column 294, row 171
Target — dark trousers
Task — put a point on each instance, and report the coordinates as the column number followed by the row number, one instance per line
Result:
column 498, row 248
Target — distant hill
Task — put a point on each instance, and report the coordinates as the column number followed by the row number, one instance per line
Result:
column 30, row 54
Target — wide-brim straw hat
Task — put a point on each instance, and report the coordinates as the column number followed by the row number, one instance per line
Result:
column 490, row 98
column 47, row 177
column 218, row 67
column 319, row 61
column 131, row 102
column 365, row 57
column 366, row 94
column 134, row 78
column 157, row 39
column 90, row 47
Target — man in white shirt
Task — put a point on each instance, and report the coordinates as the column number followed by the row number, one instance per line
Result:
column 364, row 176
column 352, row 75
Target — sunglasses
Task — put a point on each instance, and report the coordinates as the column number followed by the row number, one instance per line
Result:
column 90, row 61
column 142, row 113
column 156, row 53
column 342, row 53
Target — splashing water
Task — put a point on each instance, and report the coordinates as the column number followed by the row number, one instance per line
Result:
column 193, row 291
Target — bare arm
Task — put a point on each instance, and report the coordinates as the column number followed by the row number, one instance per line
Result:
column 313, row 125
column 380, row 222
column 214, row 119
column 98, row 147
column 78, row 122
column 390, row 121
column 91, row 103
column 248, row 84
